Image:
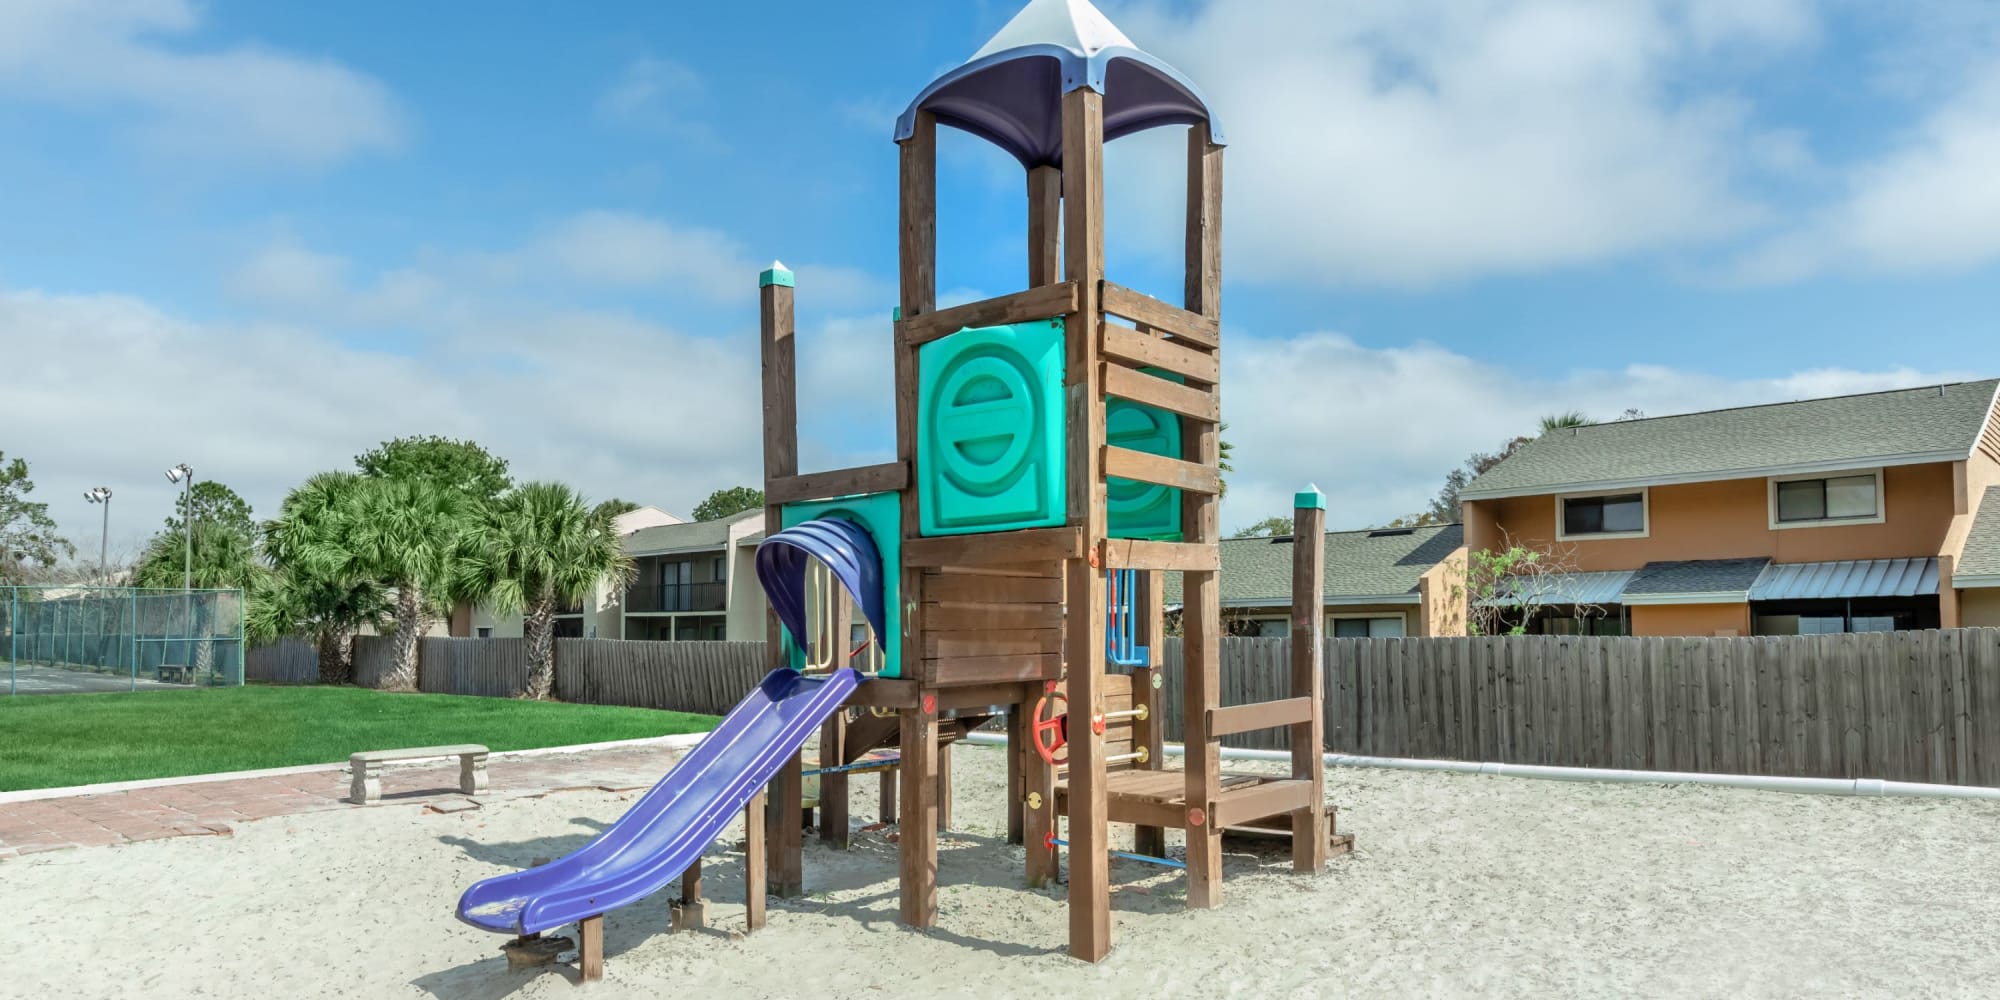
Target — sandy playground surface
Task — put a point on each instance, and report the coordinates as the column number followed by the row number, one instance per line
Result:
column 1463, row 885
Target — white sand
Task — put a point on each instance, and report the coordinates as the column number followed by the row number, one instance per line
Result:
column 1463, row 885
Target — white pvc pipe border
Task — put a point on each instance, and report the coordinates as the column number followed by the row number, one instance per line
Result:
column 1809, row 786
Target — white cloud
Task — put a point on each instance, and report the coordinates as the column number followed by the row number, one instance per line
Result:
column 1931, row 204
column 243, row 101
column 663, row 96
column 1378, row 429
column 1406, row 143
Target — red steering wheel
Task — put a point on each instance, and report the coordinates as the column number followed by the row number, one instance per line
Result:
column 1050, row 728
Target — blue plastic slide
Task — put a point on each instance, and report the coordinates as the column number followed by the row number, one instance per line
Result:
column 668, row 829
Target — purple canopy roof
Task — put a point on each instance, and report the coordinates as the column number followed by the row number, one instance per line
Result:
column 1010, row 93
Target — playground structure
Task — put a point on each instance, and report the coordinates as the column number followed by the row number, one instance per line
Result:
column 1056, row 453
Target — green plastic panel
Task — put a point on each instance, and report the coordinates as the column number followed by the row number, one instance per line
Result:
column 1136, row 509
column 882, row 515
column 990, row 430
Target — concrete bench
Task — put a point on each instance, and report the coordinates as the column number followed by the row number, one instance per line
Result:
column 366, row 785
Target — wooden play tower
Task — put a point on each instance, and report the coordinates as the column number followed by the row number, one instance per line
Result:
column 1056, row 454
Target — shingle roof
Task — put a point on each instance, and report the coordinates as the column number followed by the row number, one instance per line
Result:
column 1385, row 563
column 1982, row 548
column 693, row 535
column 1705, row 576
column 1843, row 431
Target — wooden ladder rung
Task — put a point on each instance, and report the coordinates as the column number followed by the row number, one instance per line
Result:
column 1260, row 715
column 1145, row 350
column 1124, row 463
column 1151, row 390
column 1129, row 553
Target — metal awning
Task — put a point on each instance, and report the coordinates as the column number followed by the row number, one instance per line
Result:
column 1573, row 588
column 1846, row 578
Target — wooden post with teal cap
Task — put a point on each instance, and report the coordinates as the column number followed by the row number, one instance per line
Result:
column 1309, row 833
column 784, row 809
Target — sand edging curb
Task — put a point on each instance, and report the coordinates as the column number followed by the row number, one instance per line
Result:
column 678, row 741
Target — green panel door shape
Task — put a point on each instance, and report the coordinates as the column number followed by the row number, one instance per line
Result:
column 1136, row 509
column 882, row 515
column 990, row 442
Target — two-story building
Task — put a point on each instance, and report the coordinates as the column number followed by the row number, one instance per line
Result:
column 694, row 581
column 1869, row 512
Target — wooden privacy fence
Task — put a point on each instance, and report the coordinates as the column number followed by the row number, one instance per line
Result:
column 287, row 661
column 1901, row 706
column 704, row 677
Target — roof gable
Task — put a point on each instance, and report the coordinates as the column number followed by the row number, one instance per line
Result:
column 1980, row 561
column 1929, row 424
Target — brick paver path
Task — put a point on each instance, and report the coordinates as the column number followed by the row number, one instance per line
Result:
column 208, row 808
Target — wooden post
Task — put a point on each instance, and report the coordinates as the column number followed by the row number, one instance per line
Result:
column 1044, row 226
column 918, row 831
column 1309, row 833
column 917, row 272
column 1148, row 733
column 691, row 913
column 833, row 798
column 888, row 810
column 781, row 412
column 590, row 948
column 785, row 825
column 755, row 878
column 1084, row 632
column 1201, row 610
column 1037, row 784
column 944, row 788
column 1017, row 791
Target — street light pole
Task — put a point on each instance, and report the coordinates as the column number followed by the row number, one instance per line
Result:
column 102, row 495
column 185, row 476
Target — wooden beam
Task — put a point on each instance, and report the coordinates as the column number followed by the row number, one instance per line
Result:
column 590, row 948
column 1083, row 265
column 1044, row 226
column 888, row 477
column 917, row 276
column 1186, row 324
column 1268, row 798
column 997, row 548
column 1017, row 734
column 978, row 695
column 1146, row 467
column 784, row 824
column 1149, row 732
column 972, row 588
column 1144, row 349
column 887, row 692
column 994, row 669
column 1130, row 553
column 976, row 617
column 992, row 642
column 691, row 913
column 1140, row 387
column 943, row 787
column 778, row 350
column 1201, row 617
column 917, row 833
column 1046, row 302
column 1261, row 715
column 1308, row 654
column 756, row 880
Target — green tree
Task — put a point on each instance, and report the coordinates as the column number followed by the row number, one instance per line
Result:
column 459, row 466
column 28, row 537
column 1270, row 527
column 1224, row 452
column 408, row 533
column 533, row 551
column 734, row 500
column 321, row 590
column 1566, row 420
column 214, row 503
column 616, row 506
column 223, row 558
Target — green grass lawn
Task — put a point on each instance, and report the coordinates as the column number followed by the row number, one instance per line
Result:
column 49, row 741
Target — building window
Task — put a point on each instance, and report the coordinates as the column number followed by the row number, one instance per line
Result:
column 720, row 569
column 483, row 632
column 1365, row 626
column 1850, row 499
column 1606, row 515
column 1832, row 617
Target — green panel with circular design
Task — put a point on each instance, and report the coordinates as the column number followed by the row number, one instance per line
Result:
column 990, row 443
column 1136, row 509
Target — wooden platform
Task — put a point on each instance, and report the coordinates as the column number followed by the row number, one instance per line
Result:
column 1159, row 798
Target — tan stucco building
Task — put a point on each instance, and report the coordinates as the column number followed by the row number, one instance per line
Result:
column 1854, row 513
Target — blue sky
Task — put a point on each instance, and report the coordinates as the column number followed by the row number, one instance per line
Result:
column 262, row 237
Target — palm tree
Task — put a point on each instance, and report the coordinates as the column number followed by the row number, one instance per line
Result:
column 409, row 534
column 537, row 549
column 1565, row 420
column 321, row 589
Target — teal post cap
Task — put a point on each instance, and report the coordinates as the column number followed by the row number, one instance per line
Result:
column 1309, row 498
column 776, row 274
column 896, row 314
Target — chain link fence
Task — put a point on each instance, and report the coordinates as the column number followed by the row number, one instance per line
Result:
column 69, row 640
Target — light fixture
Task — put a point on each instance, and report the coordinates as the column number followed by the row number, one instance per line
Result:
column 179, row 472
